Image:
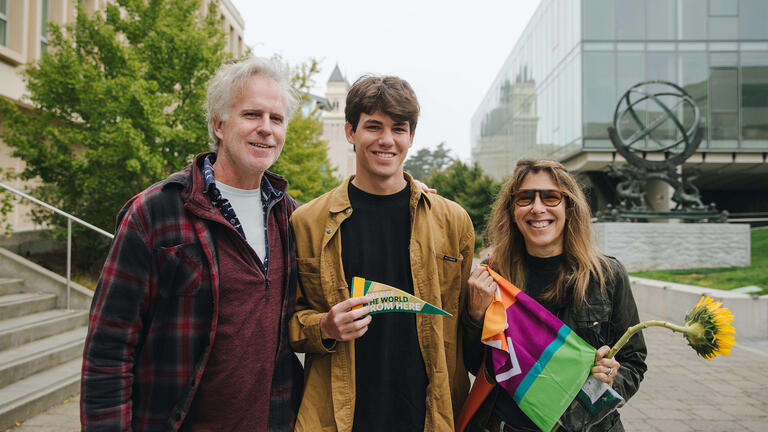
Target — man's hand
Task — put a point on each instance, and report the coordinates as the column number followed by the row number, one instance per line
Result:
column 481, row 289
column 605, row 369
column 343, row 323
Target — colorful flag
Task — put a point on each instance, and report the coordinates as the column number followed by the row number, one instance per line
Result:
column 539, row 360
column 385, row 298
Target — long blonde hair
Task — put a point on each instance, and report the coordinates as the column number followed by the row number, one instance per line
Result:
column 582, row 261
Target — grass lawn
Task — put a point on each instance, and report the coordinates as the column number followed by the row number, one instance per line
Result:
column 726, row 278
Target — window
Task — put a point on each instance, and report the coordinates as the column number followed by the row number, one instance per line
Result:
column 752, row 19
column 754, row 96
column 630, row 20
column 661, row 17
column 44, row 26
column 4, row 22
column 724, row 100
column 597, row 16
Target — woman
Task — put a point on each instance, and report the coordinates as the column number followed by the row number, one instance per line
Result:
column 541, row 237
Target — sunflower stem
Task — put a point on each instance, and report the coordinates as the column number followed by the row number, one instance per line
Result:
column 640, row 326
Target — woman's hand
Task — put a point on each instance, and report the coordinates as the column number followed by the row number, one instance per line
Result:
column 481, row 289
column 424, row 188
column 605, row 369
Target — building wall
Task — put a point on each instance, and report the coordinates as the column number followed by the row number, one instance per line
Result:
column 581, row 56
column 24, row 37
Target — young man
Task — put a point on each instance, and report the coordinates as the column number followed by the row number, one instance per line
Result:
column 395, row 371
column 189, row 320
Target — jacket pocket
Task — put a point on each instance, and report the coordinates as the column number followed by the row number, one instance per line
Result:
column 449, row 277
column 181, row 269
column 593, row 324
column 309, row 279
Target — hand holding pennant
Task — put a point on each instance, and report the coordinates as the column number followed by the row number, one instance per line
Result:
column 385, row 298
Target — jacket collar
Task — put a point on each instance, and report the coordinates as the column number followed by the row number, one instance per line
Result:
column 190, row 179
column 339, row 200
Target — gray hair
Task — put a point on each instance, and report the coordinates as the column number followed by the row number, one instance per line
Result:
column 230, row 81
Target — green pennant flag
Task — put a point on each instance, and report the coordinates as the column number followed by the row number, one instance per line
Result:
column 385, row 298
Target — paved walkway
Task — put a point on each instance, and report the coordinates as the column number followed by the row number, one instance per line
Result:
column 680, row 392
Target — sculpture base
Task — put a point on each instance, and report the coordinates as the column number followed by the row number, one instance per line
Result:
column 659, row 246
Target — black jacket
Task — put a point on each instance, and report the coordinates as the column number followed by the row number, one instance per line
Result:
column 601, row 320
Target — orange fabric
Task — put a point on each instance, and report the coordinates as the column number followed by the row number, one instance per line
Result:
column 481, row 388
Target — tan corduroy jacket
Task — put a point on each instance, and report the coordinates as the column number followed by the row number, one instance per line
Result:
column 441, row 248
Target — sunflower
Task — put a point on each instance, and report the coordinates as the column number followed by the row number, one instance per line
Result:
column 709, row 330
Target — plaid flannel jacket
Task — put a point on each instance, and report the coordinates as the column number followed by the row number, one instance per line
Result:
column 153, row 316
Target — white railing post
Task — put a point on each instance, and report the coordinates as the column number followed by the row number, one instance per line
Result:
column 69, row 258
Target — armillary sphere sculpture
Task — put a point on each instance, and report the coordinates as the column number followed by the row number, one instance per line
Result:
column 671, row 128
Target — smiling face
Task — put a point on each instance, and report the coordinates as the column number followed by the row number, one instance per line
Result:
column 253, row 134
column 541, row 226
column 381, row 145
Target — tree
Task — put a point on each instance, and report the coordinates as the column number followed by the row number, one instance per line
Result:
column 470, row 187
column 117, row 103
column 421, row 164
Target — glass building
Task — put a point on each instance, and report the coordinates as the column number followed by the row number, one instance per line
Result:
column 556, row 93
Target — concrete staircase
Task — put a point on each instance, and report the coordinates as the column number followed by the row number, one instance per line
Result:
column 41, row 351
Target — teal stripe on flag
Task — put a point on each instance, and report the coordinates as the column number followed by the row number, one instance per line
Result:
column 541, row 363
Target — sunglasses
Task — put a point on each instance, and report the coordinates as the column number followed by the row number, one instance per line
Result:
column 549, row 197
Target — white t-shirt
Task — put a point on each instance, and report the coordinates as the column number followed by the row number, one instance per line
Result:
column 249, row 210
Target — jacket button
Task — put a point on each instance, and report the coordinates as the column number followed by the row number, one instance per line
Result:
column 328, row 231
column 347, row 210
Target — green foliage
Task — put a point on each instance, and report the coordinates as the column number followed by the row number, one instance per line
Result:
column 304, row 159
column 117, row 103
column 470, row 187
column 421, row 164
column 726, row 278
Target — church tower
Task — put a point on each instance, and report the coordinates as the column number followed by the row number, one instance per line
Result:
column 340, row 151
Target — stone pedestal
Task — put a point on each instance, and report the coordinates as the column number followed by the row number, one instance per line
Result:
column 647, row 246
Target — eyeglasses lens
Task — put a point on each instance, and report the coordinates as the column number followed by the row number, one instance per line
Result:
column 550, row 198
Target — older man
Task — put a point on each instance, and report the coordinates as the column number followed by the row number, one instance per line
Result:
column 188, row 325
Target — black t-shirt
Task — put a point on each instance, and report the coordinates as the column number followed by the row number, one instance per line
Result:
column 391, row 380
column 541, row 274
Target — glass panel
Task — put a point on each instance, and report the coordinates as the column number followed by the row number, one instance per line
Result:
column 694, row 19
column 630, row 19
column 724, row 101
column 723, row 46
column 661, row 19
column 725, row 96
column 44, row 20
column 692, row 46
column 599, row 91
column 597, row 17
column 754, row 46
column 630, row 70
column 752, row 22
column 661, row 66
column 754, row 96
column 598, row 46
column 724, row 125
column 723, row 7
column 661, row 46
column 3, row 22
column 630, row 46
column 723, row 28
column 693, row 79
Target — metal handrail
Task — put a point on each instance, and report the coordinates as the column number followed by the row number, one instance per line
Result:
column 70, row 218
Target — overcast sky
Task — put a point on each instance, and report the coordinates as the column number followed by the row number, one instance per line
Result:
column 450, row 51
